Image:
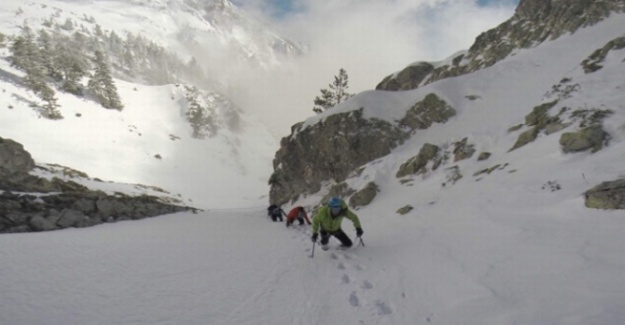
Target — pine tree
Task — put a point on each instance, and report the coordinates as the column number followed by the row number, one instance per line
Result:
column 325, row 102
column 69, row 25
column 22, row 49
column 101, row 84
column 27, row 56
column 335, row 95
column 48, row 54
column 200, row 119
column 50, row 109
column 72, row 68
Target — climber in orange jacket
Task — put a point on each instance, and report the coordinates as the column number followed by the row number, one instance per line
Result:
column 297, row 213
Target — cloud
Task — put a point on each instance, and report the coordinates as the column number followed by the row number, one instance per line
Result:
column 369, row 38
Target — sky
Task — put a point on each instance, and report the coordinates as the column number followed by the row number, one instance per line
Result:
column 508, row 247
column 370, row 39
column 283, row 8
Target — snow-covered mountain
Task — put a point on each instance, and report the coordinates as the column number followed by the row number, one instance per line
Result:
column 216, row 32
column 171, row 61
column 543, row 90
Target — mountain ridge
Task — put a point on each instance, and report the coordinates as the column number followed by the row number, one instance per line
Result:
column 546, row 87
column 533, row 23
column 141, row 42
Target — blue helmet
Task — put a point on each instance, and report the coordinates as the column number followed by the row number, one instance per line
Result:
column 335, row 202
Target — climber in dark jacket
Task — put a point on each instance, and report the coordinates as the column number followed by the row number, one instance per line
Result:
column 276, row 212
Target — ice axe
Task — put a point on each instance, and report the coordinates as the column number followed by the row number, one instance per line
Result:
column 313, row 251
column 360, row 242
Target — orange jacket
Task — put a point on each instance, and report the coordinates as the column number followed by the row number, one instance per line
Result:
column 293, row 214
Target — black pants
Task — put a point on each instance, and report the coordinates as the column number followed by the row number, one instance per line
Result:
column 276, row 217
column 339, row 234
column 301, row 221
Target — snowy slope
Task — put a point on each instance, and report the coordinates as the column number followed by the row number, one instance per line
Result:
column 503, row 248
column 149, row 142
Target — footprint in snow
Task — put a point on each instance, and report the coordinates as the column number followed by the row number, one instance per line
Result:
column 382, row 308
column 345, row 278
column 341, row 266
column 333, row 256
column 353, row 299
column 366, row 285
column 359, row 267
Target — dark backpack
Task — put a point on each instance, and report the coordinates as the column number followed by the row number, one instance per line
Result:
column 277, row 212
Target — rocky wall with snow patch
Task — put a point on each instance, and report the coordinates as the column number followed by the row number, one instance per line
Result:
column 534, row 22
column 329, row 150
column 29, row 203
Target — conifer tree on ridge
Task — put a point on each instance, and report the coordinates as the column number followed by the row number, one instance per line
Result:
column 335, row 95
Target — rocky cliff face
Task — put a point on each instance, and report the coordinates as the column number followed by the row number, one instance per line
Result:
column 534, row 22
column 15, row 162
column 328, row 150
column 57, row 204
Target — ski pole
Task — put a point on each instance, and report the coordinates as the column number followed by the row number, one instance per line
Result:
column 313, row 251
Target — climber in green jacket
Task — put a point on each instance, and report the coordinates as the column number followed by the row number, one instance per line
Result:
column 328, row 222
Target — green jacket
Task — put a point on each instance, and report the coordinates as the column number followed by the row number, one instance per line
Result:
column 324, row 220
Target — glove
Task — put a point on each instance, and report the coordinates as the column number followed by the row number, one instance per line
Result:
column 314, row 238
column 359, row 232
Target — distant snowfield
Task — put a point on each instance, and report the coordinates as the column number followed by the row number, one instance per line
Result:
column 503, row 248
column 148, row 142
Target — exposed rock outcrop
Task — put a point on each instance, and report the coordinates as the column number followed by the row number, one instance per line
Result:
column 589, row 121
column 432, row 109
column 409, row 78
column 418, row 163
column 607, row 195
column 592, row 137
column 534, row 22
column 483, row 156
column 593, row 62
column 15, row 162
column 463, row 150
column 329, row 150
column 58, row 204
column 364, row 196
column 404, row 210
column 526, row 137
column 27, row 212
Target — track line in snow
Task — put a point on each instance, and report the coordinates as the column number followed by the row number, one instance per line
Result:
column 360, row 291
